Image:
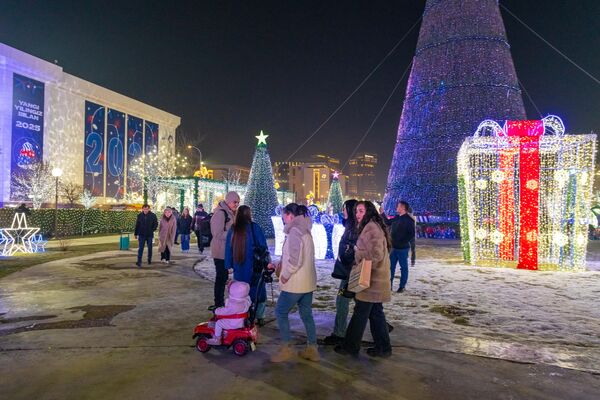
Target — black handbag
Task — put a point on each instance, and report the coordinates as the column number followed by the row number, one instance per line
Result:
column 344, row 261
column 260, row 254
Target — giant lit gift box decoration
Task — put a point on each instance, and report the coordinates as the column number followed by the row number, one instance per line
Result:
column 525, row 192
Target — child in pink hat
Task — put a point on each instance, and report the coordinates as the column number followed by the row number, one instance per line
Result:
column 237, row 303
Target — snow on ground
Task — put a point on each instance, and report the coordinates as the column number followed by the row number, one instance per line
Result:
column 555, row 315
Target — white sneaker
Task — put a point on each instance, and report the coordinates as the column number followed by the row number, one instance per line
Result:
column 163, row 261
column 214, row 341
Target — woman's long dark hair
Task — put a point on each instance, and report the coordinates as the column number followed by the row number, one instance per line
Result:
column 243, row 219
column 371, row 214
column 349, row 206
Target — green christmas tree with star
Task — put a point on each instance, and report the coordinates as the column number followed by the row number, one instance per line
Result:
column 336, row 198
column 261, row 195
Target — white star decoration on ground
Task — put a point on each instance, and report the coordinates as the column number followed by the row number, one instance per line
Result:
column 18, row 237
column 262, row 138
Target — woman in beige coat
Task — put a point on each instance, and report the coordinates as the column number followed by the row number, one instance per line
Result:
column 373, row 244
column 166, row 234
column 297, row 281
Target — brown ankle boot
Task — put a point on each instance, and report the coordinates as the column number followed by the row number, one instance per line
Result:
column 284, row 354
column 310, row 353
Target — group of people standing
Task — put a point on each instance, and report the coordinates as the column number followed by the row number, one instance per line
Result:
column 368, row 235
column 172, row 225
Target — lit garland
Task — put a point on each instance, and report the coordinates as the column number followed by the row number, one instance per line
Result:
column 533, row 210
column 462, row 73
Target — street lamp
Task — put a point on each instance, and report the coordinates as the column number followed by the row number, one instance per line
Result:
column 199, row 155
column 56, row 173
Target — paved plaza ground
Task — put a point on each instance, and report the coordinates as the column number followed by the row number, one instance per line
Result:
column 97, row 327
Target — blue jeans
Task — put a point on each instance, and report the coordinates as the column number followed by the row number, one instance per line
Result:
column 142, row 241
column 342, row 306
column 399, row 256
column 285, row 303
column 185, row 242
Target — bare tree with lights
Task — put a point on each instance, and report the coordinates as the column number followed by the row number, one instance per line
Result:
column 35, row 183
column 151, row 170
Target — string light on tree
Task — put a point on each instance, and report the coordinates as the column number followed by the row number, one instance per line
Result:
column 261, row 195
column 336, row 197
column 536, row 214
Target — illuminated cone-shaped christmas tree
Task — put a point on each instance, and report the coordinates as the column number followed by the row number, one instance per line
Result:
column 462, row 74
column 336, row 198
column 261, row 196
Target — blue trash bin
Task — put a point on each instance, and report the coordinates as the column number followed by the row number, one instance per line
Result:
column 124, row 241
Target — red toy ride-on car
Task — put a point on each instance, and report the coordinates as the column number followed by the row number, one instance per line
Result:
column 242, row 340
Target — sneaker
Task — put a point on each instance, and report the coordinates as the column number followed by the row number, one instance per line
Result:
column 139, row 264
column 373, row 352
column 214, row 341
column 342, row 350
column 400, row 290
column 212, row 308
column 333, row 339
column 310, row 353
column 163, row 261
column 176, row 242
column 149, row 262
column 285, row 353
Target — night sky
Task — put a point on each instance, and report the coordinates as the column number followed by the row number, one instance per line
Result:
column 231, row 68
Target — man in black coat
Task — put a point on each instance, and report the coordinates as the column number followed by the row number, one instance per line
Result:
column 402, row 233
column 199, row 216
column 145, row 225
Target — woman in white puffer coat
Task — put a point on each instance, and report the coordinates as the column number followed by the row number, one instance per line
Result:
column 297, row 282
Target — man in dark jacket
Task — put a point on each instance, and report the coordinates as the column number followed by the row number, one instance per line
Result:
column 402, row 233
column 145, row 226
column 199, row 216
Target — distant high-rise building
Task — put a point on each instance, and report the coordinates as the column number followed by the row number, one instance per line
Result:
column 282, row 169
column 362, row 183
column 462, row 74
column 281, row 173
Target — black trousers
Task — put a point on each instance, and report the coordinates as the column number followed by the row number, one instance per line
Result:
column 220, row 281
column 166, row 255
column 200, row 242
column 363, row 312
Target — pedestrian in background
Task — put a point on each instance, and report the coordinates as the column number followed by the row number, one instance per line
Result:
column 176, row 214
column 220, row 223
column 166, row 235
column 343, row 266
column 199, row 216
column 239, row 256
column 184, row 226
column 297, row 282
column 145, row 225
column 373, row 244
column 402, row 230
